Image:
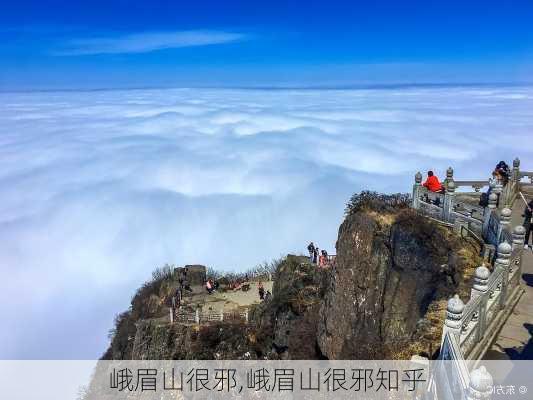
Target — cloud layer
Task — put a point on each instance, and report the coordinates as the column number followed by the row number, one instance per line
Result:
column 99, row 188
column 146, row 42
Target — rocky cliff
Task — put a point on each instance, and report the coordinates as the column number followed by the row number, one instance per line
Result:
column 384, row 297
column 394, row 272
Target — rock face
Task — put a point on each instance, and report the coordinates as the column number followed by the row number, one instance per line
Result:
column 288, row 324
column 389, row 269
column 155, row 341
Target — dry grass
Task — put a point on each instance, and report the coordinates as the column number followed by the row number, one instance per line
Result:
column 384, row 219
column 429, row 339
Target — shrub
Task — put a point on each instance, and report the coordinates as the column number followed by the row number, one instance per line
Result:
column 260, row 271
column 368, row 200
column 214, row 274
column 140, row 301
column 121, row 336
column 265, row 269
column 162, row 273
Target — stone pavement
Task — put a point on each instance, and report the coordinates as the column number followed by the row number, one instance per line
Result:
column 515, row 340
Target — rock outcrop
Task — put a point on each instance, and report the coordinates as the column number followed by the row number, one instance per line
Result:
column 390, row 268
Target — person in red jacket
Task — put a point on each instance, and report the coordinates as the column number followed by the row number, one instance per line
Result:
column 432, row 183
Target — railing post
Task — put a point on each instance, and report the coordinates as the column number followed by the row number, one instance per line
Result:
column 519, row 234
column 516, row 170
column 246, row 315
column 513, row 186
column 493, row 201
column 197, row 316
column 416, row 190
column 505, row 220
column 480, row 386
column 171, row 315
column 449, row 176
column 479, row 288
column 454, row 314
column 505, row 215
column 502, row 262
column 449, row 193
column 481, row 279
column 449, row 196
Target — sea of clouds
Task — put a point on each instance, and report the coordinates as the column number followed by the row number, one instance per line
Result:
column 98, row 188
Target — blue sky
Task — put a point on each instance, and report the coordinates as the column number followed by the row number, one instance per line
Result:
column 65, row 44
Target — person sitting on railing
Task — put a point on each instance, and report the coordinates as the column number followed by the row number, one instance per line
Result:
column 502, row 172
column 433, row 184
column 528, row 222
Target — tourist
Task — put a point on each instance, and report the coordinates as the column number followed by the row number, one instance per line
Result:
column 209, row 286
column 261, row 291
column 311, row 249
column 321, row 259
column 432, row 183
column 528, row 222
column 268, row 296
column 501, row 172
column 315, row 255
column 173, row 303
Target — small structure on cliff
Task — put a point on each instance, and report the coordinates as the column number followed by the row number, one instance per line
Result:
column 195, row 274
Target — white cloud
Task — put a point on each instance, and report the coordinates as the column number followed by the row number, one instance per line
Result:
column 99, row 188
column 146, row 42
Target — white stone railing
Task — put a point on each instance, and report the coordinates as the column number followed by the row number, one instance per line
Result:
column 493, row 295
column 446, row 207
column 200, row 317
column 451, row 379
column 470, row 328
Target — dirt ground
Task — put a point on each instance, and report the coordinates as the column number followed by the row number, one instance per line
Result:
column 224, row 301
